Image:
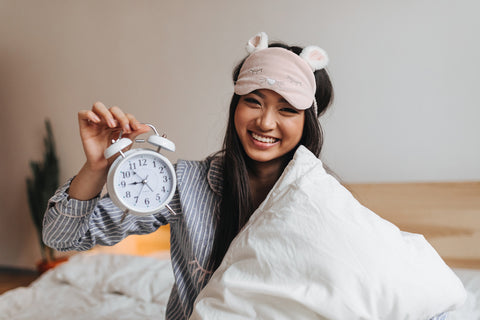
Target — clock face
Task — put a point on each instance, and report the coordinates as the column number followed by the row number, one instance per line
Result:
column 143, row 181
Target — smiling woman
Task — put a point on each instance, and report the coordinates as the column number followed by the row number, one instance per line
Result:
column 279, row 93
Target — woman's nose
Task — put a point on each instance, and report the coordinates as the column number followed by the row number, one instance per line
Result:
column 266, row 120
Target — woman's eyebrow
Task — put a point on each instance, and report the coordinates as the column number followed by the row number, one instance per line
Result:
column 258, row 93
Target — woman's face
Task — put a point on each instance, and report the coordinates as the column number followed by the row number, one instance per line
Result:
column 267, row 125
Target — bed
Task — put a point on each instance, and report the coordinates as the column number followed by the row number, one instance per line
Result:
column 132, row 280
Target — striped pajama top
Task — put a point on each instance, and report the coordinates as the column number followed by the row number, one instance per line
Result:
column 71, row 224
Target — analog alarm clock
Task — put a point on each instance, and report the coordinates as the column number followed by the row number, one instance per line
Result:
column 141, row 181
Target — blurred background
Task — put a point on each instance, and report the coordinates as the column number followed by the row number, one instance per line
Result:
column 405, row 75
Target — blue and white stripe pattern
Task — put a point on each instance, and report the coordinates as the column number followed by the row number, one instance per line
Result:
column 71, row 224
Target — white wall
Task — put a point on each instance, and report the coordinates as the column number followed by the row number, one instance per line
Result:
column 405, row 76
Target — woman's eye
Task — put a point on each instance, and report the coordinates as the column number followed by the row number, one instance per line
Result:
column 289, row 110
column 252, row 100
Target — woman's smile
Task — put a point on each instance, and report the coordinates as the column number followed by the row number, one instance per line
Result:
column 263, row 140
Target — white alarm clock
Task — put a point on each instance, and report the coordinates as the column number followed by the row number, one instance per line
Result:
column 141, row 181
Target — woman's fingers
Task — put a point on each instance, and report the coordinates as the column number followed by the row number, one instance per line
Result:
column 87, row 116
column 120, row 116
column 113, row 118
column 102, row 112
column 136, row 125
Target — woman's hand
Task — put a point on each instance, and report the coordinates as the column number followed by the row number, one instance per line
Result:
column 98, row 127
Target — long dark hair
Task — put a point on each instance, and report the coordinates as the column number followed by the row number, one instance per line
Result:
column 236, row 205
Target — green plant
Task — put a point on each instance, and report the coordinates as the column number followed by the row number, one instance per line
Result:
column 42, row 186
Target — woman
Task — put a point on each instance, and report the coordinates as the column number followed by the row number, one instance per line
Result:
column 279, row 93
column 278, row 97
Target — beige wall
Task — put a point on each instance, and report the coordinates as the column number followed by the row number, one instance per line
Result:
column 405, row 74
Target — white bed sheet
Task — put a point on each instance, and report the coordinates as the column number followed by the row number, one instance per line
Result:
column 106, row 286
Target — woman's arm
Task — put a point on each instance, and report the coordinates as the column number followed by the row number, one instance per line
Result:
column 72, row 224
column 98, row 127
column 76, row 219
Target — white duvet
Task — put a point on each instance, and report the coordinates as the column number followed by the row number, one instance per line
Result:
column 97, row 286
column 311, row 251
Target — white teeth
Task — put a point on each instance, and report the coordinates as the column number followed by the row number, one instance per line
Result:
column 263, row 139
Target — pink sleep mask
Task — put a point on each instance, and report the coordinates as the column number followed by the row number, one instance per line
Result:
column 282, row 71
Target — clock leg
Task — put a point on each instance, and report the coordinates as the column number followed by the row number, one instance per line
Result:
column 124, row 215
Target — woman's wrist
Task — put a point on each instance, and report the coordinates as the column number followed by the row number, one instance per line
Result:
column 88, row 183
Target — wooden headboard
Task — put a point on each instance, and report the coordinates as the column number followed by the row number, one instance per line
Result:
column 447, row 214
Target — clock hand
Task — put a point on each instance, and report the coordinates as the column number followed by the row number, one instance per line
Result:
column 139, row 176
column 148, row 187
column 136, row 182
column 144, row 181
column 138, row 197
